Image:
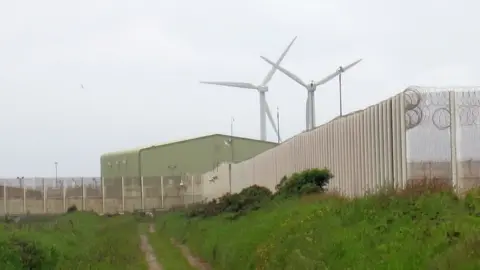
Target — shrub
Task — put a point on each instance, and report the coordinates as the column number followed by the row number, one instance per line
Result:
column 251, row 198
column 19, row 253
column 72, row 209
column 305, row 182
column 236, row 204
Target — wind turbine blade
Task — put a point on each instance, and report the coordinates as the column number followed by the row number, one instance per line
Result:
column 328, row 78
column 286, row 72
column 345, row 68
column 279, row 61
column 233, row 84
column 336, row 73
column 270, row 117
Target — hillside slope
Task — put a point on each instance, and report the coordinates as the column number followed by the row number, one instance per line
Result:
column 407, row 230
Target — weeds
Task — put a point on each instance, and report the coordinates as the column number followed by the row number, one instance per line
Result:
column 423, row 225
column 75, row 240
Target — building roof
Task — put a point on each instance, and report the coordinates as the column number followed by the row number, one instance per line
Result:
column 138, row 149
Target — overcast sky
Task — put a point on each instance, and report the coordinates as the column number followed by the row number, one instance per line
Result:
column 140, row 63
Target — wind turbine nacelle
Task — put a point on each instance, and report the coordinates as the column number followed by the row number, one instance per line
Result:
column 263, row 88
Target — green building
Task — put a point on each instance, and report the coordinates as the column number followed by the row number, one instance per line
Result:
column 194, row 156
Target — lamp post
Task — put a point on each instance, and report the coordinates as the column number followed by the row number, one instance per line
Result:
column 56, row 173
column 21, row 181
column 22, row 185
column 278, row 125
column 172, row 170
column 172, row 173
column 340, row 71
column 229, row 143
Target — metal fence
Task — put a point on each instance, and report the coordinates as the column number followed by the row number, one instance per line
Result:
column 428, row 133
column 103, row 195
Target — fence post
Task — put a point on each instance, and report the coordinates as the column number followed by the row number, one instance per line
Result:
column 453, row 139
column 83, row 194
column 44, row 197
column 161, row 191
column 22, row 180
column 102, row 179
column 123, row 194
column 5, row 183
column 403, row 138
column 142, row 195
column 64, row 195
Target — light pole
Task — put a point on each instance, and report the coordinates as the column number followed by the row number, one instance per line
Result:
column 231, row 140
column 172, row 170
column 340, row 71
column 21, row 181
column 56, row 173
column 278, row 125
column 24, row 196
column 229, row 143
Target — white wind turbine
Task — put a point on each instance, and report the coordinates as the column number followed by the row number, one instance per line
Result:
column 311, row 87
column 262, row 89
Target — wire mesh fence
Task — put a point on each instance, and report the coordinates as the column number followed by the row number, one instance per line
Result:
column 102, row 195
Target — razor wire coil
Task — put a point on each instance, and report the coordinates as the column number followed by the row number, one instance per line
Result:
column 423, row 105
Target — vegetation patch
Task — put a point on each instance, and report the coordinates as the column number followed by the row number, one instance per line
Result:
column 76, row 240
column 252, row 198
column 424, row 226
column 234, row 205
column 168, row 255
column 303, row 183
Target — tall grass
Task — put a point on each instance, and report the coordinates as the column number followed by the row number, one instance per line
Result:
column 72, row 241
column 424, row 226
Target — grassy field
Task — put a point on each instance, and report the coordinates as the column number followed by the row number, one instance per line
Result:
column 425, row 227
column 71, row 241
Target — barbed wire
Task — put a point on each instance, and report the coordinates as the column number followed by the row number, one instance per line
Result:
column 424, row 105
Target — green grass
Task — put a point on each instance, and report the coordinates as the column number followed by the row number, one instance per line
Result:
column 73, row 241
column 168, row 255
column 433, row 230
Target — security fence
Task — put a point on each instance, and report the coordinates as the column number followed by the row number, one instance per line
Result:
column 421, row 133
column 103, row 195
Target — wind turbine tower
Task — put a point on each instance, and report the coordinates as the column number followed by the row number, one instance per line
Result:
column 262, row 89
column 311, row 88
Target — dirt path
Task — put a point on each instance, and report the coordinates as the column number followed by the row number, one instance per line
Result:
column 148, row 250
column 151, row 228
column 192, row 260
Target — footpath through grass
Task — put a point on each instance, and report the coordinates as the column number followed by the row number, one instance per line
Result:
column 72, row 241
column 424, row 227
column 168, row 255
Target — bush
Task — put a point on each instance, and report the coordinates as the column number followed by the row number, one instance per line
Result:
column 20, row 253
column 236, row 204
column 72, row 209
column 305, row 182
column 251, row 198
